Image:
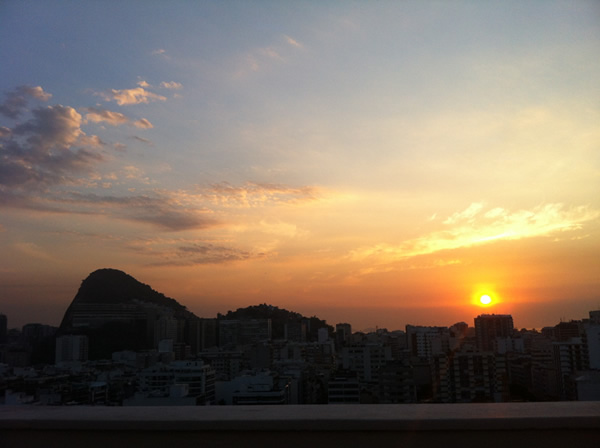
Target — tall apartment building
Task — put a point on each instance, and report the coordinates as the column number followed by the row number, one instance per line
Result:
column 488, row 327
column 467, row 377
column 570, row 357
column 343, row 332
column 343, row 388
column 366, row 360
column 426, row 342
column 397, row 383
column 591, row 334
column 3, row 328
column 71, row 347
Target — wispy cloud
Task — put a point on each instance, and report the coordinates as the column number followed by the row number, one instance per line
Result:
column 98, row 115
column 171, row 85
column 175, row 251
column 263, row 57
column 160, row 209
column 143, row 124
column 475, row 226
column 160, row 52
column 127, row 97
column 211, row 254
column 47, row 162
column 253, row 194
column 293, row 42
column 32, row 250
column 141, row 139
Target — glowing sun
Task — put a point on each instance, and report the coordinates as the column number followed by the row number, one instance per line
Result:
column 485, row 299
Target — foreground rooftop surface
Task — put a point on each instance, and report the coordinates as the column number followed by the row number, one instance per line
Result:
column 423, row 425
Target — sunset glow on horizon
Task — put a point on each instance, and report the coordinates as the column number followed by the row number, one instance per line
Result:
column 377, row 163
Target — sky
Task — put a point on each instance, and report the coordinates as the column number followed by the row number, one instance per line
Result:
column 378, row 163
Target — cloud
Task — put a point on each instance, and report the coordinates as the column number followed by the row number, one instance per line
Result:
column 171, row 85
column 98, row 115
column 270, row 53
column 160, row 52
column 471, row 227
column 141, row 139
column 143, row 84
column 127, row 97
column 281, row 228
column 174, row 251
column 143, row 124
column 90, row 140
column 16, row 101
column 254, row 194
column 265, row 57
column 162, row 209
column 133, row 172
column 292, row 42
column 466, row 215
column 211, row 254
column 52, row 126
column 49, row 148
column 32, row 250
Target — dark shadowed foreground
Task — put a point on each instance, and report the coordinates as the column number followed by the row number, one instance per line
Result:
column 489, row 425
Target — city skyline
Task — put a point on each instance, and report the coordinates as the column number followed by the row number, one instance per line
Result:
column 333, row 322
column 370, row 163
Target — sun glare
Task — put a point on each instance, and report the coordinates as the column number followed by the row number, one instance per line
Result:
column 485, row 295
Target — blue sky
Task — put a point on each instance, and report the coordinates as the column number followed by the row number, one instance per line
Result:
column 322, row 154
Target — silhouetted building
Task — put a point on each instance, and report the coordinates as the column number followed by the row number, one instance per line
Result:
column 236, row 332
column 295, row 331
column 396, row 383
column 591, row 336
column 488, row 327
column 71, row 347
column 199, row 377
column 570, row 357
column 564, row 331
column 366, row 360
column 343, row 332
column 343, row 388
column 468, row 377
column 254, row 388
column 3, row 328
column 425, row 342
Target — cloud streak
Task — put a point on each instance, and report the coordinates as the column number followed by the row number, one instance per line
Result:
column 474, row 226
column 255, row 194
column 161, row 209
column 171, row 85
column 128, row 97
column 100, row 115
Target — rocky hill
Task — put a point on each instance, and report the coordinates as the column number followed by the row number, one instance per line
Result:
column 279, row 317
column 117, row 312
column 114, row 287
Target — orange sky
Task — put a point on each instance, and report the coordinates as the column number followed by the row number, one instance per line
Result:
column 376, row 163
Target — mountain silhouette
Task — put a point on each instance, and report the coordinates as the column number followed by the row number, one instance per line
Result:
column 117, row 312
